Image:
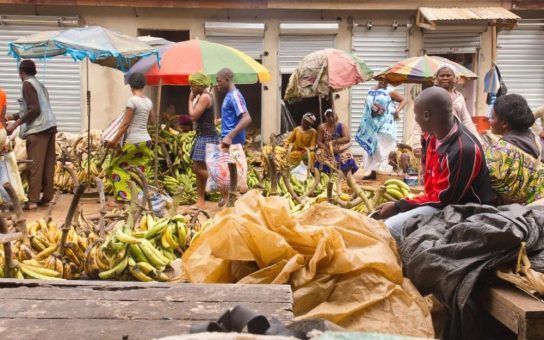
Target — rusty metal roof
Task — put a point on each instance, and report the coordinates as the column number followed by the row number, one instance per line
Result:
column 427, row 16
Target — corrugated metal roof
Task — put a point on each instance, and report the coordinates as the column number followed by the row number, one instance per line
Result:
column 472, row 13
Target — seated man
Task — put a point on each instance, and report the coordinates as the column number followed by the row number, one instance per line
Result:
column 454, row 166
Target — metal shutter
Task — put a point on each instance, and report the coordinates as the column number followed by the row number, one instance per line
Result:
column 252, row 46
column 520, row 57
column 451, row 42
column 294, row 47
column 60, row 75
column 379, row 48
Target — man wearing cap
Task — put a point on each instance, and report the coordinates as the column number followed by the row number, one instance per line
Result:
column 38, row 128
column 301, row 138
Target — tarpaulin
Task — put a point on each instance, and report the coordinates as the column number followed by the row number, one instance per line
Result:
column 342, row 266
column 454, row 253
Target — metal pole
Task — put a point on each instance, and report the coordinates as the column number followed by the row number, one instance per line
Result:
column 88, row 120
column 158, row 113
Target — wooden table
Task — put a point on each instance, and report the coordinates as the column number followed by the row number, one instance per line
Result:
column 37, row 309
column 520, row 312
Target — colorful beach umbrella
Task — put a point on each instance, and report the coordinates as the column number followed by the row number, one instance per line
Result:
column 325, row 71
column 180, row 60
column 421, row 70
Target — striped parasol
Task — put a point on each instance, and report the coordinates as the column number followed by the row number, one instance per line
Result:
column 421, row 70
column 180, row 60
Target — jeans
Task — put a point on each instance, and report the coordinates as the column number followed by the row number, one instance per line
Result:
column 396, row 223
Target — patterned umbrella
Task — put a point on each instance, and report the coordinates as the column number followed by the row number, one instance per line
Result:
column 325, row 71
column 420, row 70
column 180, row 60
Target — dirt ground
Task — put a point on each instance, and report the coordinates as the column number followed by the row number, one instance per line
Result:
column 90, row 207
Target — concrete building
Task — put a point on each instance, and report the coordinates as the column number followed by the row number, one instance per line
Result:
column 279, row 33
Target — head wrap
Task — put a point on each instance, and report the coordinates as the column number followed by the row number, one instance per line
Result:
column 309, row 117
column 199, row 79
column 449, row 67
column 185, row 120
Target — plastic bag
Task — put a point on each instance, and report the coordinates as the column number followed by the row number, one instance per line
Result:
column 342, row 266
column 10, row 173
column 300, row 172
column 218, row 170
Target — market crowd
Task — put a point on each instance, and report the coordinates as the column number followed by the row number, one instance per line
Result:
column 458, row 164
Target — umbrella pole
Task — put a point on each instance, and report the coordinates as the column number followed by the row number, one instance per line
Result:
column 88, row 120
column 320, row 110
column 157, row 115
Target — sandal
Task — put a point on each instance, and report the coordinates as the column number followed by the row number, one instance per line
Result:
column 30, row 206
column 44, row 204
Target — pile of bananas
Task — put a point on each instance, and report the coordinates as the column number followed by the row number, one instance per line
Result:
column 183, row 186
column 38, row 253
column 280, row 157
column 298, row 187
column 63, row 180
column 145, row 253
column 393, row 190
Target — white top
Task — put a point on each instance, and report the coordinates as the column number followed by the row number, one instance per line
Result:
column 137, row 130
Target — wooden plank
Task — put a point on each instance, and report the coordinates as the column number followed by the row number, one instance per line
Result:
column 54, row 329
column 178, row 293
column 131, row 310
column 518, row 311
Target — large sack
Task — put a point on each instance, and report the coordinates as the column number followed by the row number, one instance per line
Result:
column 342, row 266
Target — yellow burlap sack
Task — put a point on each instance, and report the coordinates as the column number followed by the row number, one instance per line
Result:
column 342, row 266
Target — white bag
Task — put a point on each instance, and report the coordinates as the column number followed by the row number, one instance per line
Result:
column 9, row 173
column 218, row 169
column 111, row 131
column 300, row 172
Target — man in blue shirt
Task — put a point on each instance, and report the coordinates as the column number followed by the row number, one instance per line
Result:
column 234, row 116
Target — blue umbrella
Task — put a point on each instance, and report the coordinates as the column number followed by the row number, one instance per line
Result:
column 98, row 44
column 94, row 43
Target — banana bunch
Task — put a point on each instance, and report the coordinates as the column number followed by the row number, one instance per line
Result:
column 184, row 184
column 39, row 249
column 131, row 254
column 298, row 187
column 89, row 170
column 27, row 269
column 63, row 181
column 253, row 180
column 394, row 190
column 280, row 156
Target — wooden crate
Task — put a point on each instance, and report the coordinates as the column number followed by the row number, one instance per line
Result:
column 38, row 309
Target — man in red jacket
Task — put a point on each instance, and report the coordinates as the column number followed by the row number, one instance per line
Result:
column 454, row 163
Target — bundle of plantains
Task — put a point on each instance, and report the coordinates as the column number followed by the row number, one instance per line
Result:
column 145, row 253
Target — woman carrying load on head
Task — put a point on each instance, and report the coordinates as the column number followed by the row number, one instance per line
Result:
column 201, row 111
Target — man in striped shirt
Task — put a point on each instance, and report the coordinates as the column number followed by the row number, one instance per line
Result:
column 454, row 163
